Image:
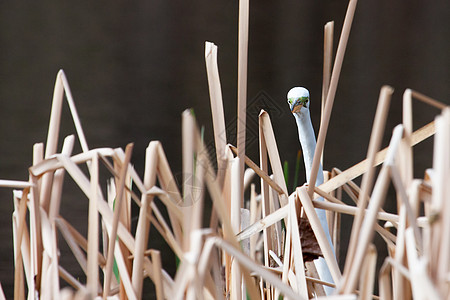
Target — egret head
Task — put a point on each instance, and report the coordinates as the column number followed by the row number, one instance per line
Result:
column 297, row 98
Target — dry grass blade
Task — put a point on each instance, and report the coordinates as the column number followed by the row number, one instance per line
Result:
column 236, row 278
column 2, row 294
column 115, row 222
column 274, row 156
column 267, row 233
column 367, row 279
column 219, row 206
column 377, row 199
column 18, row 261
column 339, row 297
column 188, row 128
column 92, row 249
column 168, row 183
column 61, row 85
column 73, row 245
column 312, row 278
column 444, row 258
column 164, row 229
column 35, row 230
column 360, row 168
column 297, row 250
column 70, row 279
column 73, row 111
column 143, row 225
column 55, row 264
column 319, row 233
column 422, row 286
column 53, row 163
column 16, row 184
column 264, row 223
column 75, row 237
column 55, row 116
column 249, row 264
column 327, row 60
column 125, row 278
column 428, row 100
column 242, row 81
column 215, row 95
column 58, row 178
column 157, row 267
column 351, row 210
column 254, row 216
column 260, row 173
column 367, row 181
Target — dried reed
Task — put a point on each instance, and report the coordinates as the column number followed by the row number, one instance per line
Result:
column 256, row 251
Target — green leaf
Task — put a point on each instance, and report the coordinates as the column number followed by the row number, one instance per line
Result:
column 177, row 261
column 286, row 172
column 116, row 271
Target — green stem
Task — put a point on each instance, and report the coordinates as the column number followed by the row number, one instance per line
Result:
column 297, row 168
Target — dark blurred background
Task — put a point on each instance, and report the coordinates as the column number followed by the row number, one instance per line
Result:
column 133, row 67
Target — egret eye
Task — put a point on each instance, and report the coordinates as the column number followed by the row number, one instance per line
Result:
column 304, row 101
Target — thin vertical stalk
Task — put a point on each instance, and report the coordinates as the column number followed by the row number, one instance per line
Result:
column 115, row 221
column 92, row 247
column 377, row 200
column 143, row 225
column 327, row 63
column 242, row 83
column 367, row 181
column 58, row 179
column 332, row 92
column 188, row 127
column 235, row 278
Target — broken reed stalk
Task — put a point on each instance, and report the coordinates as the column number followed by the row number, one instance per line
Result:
column 327, row 60
column 92, row 247
column 58, row 179
column 327, row 64
column 339, row 180
column 264, row 176
column 35, row 222
column 235, row 217
column 215, row 94
column 115, row 223
column 319, row 233
column 143, row 225
column 218, row 205
column 19, row 234
column 367, row 276
column 360, row 168
column 377, row 200
column 367, row 180
column 292, row 281
column 61, row 86
column 242, row 84
column 274, row 156
column 297, row 250
column 331, row 92
column 189, row 171
column 218, row 117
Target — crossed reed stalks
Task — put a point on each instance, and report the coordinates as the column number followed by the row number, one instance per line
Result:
column 253, row 252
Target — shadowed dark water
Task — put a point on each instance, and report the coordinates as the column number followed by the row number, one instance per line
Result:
column 134, row 67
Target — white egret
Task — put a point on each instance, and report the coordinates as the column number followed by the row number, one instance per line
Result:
column 299, row 102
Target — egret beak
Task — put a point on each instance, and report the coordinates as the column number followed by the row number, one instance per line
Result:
column 296, row 107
